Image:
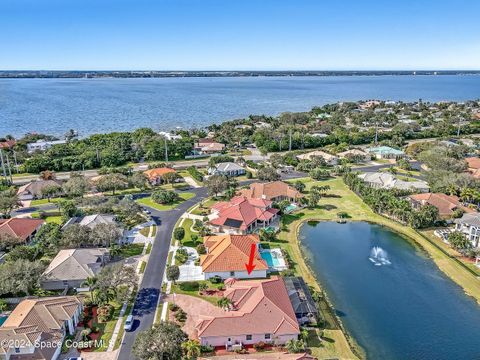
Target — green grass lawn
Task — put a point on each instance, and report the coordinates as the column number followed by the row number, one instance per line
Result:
column 48, row 216
column 204, row 209
column 131, row 250
column 175, row 186
column 45, row 201
column 148, row 250
column 148, row 201
column 182, row 289
column 187, row 240
column 54, row 219
column 124, row 192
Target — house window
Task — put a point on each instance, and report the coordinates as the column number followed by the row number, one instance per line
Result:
column 17, row 350
column 232, row 273
column 249, row 337
column 268, row 336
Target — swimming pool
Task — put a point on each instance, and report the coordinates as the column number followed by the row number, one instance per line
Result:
column 271, row 259
column 3, row 318
column 290, row 208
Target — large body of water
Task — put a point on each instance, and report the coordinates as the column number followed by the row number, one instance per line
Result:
column 103, row 105
column 397, row 305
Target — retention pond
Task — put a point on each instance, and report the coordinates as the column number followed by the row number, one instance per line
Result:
column 389, row 295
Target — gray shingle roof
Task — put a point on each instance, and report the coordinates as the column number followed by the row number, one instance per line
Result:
column 472, row 219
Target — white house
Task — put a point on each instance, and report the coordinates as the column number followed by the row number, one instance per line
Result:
column 229, row 169
column 42, row 145
column 469, row 225
column 383, row 180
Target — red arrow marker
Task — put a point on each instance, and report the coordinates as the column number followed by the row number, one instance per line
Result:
column 250, row 265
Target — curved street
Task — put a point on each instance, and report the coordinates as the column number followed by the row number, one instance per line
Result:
column 150, row 289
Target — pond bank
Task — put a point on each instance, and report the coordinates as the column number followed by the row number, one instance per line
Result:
column 389, row 294
column 345, row 200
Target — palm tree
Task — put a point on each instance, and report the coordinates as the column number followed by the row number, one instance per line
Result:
column 91, row 283
column 224, row 303
column 452, row 190
column 114, row 251
column 47, row 175
column 192, row 349
column 295, row 346
column 104, row 296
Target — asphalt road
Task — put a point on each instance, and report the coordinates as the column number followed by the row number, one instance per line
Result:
column 150, row 289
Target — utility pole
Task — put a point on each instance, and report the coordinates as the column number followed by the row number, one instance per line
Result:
column 458, row 129
column 9, row 169
column 166, row 150
column 15, row 160
column 98, row 157
column 3, row 165
column 290, row 139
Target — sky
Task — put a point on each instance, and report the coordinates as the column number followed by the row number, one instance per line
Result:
column 239, row 35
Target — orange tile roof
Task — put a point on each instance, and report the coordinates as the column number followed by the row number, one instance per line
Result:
column 230, row 253
column 445, row 204
column 157, row 172
column 271, row 190
column 244, row 210
column 260, row 307
column 7, row 144
column 473, row 162
column 20, row 228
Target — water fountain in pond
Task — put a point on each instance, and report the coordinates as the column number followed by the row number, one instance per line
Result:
column 378, row 256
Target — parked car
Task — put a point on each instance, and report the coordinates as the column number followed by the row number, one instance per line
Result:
column 128, row 323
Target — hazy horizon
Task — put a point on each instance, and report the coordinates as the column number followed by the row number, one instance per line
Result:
column 248, row 35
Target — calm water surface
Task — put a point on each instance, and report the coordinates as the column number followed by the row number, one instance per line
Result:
column 403, row 310
column 102, row 105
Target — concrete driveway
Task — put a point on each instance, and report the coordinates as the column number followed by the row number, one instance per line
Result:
column 189, row 271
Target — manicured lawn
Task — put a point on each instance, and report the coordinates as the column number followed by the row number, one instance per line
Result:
column 54, row 219
column 176, row 186
column 182, row 289
column 131, row 250
column 187, row 240
column 332, row 345
column 44, row 201
column 205, row 208
column 48, row 216
column 150, row 203
column 146, row 230
column 124, row 192
column 148, row 250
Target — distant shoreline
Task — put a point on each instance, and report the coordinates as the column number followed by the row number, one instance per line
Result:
column 62, row 74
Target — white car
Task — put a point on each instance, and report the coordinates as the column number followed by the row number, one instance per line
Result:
column 128, row 323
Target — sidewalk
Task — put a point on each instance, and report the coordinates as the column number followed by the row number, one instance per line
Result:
column 121, row 316
column 163, row 315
